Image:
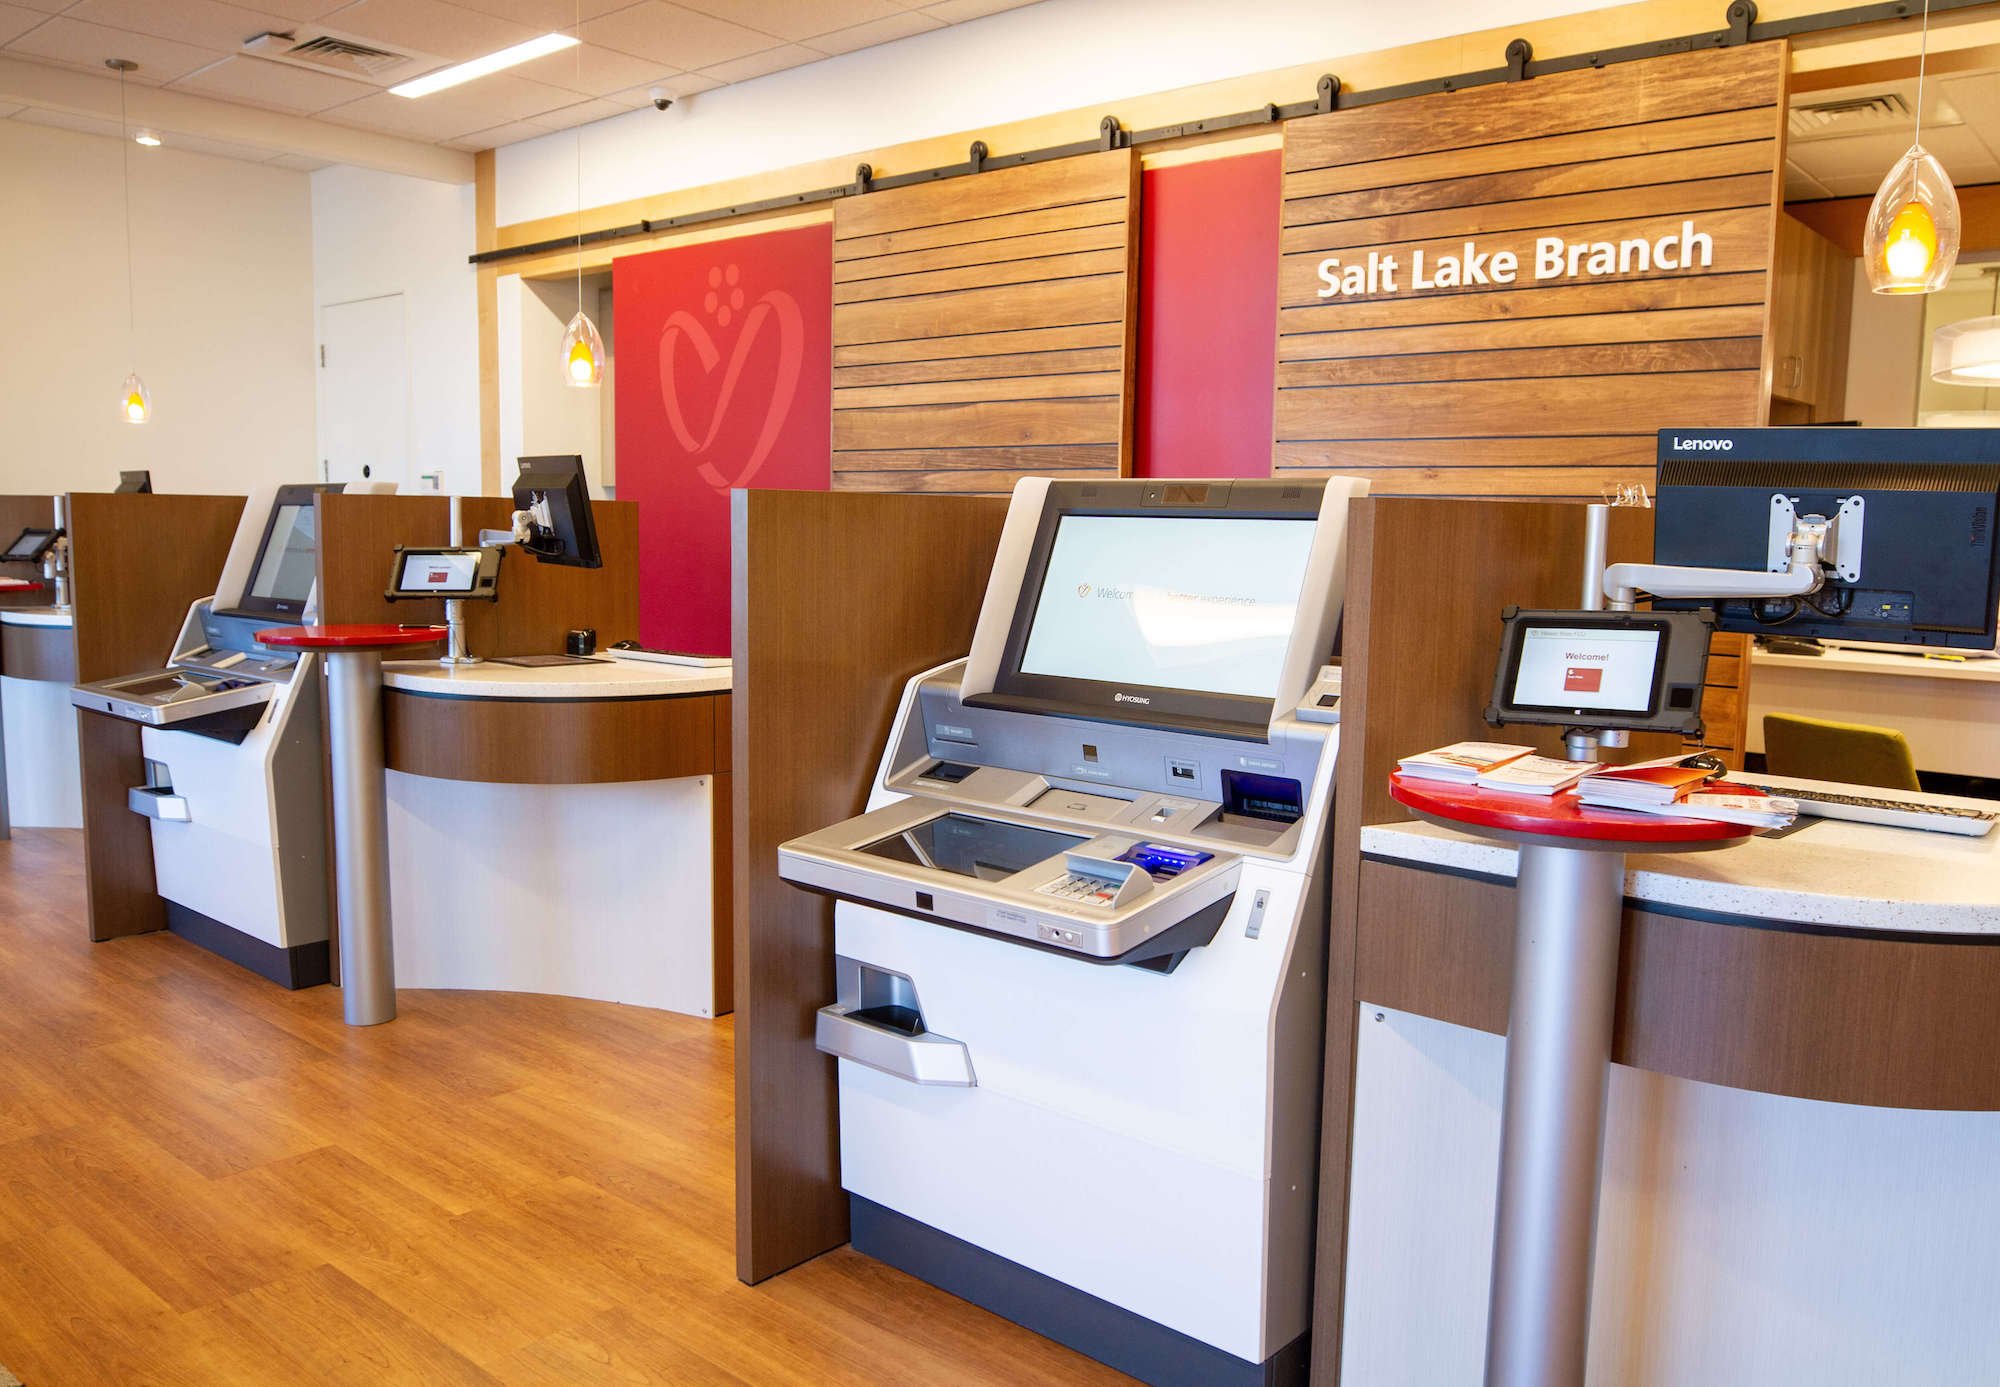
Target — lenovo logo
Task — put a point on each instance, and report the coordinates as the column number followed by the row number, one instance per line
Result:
column 1130, row 698
column 1703, row 445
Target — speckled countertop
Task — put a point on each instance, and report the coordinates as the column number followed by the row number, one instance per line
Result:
column 1830, row 873
column 600, row 679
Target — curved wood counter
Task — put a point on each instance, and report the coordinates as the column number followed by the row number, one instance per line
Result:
column 564, row 725
column 1846, row 963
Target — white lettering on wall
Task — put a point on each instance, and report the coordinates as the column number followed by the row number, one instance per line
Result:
column 1376, row 273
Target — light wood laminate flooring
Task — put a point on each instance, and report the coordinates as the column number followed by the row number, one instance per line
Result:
column 208, row 1181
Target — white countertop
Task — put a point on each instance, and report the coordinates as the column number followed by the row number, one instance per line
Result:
column 606, row 679
column 36, row 616
column 1985, row 671
column 1831, row 873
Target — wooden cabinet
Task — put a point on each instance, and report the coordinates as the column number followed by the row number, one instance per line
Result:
column 1812, row 298
column 1725, row 698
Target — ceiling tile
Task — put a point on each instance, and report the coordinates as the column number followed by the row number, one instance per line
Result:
column 302, row 9
column 958, row 11
column 896, row 26
column 795, row 19
column 76, row 44
column 605, row 70
column 64, row 120
column 45, row 6
column 9, row 108
column 544, row 15
column 1801, row 185
column 583, row 113
column 205, row 23
column 448, row 114
column 675, row 36
column 430, row 26
column 16, row 21
column 511, row 133
column 762, row 64
column 304, row 163
column 276, row 85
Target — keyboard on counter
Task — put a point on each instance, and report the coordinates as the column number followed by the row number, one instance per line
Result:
column 1893, row 812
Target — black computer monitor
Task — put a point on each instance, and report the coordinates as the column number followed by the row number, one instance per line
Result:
column 1917, row 563
column 565, row 531
column 141, row 482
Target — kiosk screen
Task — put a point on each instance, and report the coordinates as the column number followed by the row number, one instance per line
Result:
column 1201, row 603
column 288, row 562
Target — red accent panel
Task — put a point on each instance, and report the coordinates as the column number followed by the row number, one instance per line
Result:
column 724, row 374
column 1208, row 317
column 1558, row 816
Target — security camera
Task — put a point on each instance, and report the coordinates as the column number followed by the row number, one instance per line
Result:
column 660, row 98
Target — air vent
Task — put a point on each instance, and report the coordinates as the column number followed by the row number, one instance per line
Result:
column 1872, row 114
column 346, row 55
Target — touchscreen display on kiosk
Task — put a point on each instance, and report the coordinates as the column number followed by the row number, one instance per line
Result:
column 1642, row 671
column 444, row 573
column 1583, row 668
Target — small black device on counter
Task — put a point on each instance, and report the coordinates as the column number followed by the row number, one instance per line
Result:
column 582, row 641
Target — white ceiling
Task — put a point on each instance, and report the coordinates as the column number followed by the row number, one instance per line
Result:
column 1961, row 127
column 629, row 46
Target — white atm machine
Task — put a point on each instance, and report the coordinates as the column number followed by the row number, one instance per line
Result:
column 234, row 738
column 1081, row 931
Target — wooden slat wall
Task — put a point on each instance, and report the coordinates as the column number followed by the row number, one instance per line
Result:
column 982, row 328
column 1527, row 390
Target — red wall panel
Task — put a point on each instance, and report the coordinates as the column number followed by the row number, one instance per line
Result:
column 725, row 379
column 1208, row 317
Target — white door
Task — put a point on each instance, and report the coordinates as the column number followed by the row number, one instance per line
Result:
column 364, row 400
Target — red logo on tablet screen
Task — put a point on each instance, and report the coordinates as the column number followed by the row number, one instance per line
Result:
column 1582, row 680
column 440, row 575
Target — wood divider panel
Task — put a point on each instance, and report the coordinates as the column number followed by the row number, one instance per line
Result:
column 838, row 599
column 356, row 536
column 983, row 327
column 137, row 563
column 1594, row 155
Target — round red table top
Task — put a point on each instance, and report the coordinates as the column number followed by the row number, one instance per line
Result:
column 1554, row 816
column 348, row 637
column 19, row 585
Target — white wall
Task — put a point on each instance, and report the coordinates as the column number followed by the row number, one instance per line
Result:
column 1887, row 356
column 540, row 414
column 223, row 301
column 382, row 233
column 1055, row 56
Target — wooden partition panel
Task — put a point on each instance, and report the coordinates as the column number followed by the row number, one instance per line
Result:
column 982, row 327
column 540, row 603
column 1426, row 582
column 1550, row 385
column 17, row 513
column 838, row 600
column 357, row 535
column 138, row 563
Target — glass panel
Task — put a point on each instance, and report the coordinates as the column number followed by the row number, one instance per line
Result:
column 981, row 848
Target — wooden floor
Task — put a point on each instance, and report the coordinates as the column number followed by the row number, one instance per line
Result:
column 208, row 1181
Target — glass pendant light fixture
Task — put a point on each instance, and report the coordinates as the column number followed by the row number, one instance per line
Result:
column 582, row 348
column 135, row 402
column 1911, row 241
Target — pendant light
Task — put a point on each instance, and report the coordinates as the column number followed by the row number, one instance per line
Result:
column 135, row 402
column 1912, row 238
column 582, row 348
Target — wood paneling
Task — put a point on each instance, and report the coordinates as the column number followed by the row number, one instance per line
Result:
column 838, row 600
column 1812, row 303
column 38, row 652
column 540, row 603
column 1551, row 388
column 547, row 741
column 979, row 317
column 138, row 563
column 1888, row 1023
column 357, row 537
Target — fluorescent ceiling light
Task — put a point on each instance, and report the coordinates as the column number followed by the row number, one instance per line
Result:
column 482, row 67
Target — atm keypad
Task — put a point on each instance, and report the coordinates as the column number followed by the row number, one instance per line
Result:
column 1084, row 890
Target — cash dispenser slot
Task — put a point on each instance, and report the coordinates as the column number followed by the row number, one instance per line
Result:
column 878, row 1021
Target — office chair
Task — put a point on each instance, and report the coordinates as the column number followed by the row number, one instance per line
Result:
column 1814, row 749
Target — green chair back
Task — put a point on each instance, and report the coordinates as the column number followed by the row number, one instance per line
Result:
column 1815, row 749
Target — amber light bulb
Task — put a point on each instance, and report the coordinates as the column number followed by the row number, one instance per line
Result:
column 1911, row 244
column 135, row 405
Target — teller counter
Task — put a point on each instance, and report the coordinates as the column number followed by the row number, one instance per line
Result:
column 37, row 667
column 561, row 830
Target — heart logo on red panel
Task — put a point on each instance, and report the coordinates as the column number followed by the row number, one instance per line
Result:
column 773, row 311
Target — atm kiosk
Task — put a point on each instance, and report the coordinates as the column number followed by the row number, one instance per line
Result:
column 1081, row 931
column 235, row 759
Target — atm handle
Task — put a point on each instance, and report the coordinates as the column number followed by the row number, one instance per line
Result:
column 926, row 1058
column 158, row 802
